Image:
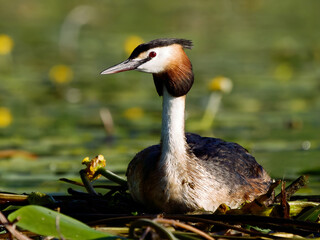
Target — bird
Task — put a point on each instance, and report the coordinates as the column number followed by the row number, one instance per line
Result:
column 185, row 172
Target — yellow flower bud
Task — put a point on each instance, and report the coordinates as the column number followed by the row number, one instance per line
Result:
column 6, row 44
column 133, row 113
column 5, row 117
column 131, row 43
column 61, row 74
column 93, row 165
column 221, row 84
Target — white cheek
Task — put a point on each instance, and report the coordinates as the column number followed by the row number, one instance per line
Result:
column 151, row 66
column 159, row 62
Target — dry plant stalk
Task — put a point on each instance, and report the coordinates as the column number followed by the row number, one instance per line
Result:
column 12, row 228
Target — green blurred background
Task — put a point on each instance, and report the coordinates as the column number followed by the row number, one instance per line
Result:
column 52, row 96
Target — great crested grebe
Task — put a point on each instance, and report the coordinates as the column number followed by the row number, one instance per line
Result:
column 185, row 172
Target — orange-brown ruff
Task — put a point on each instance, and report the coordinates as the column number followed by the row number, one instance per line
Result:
column 185, row 172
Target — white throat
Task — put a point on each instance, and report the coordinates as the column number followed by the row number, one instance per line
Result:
column 172, row 131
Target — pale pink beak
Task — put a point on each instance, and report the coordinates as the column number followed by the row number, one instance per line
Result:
column 127, row 65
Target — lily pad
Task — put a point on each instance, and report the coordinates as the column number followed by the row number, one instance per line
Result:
column 43, row 221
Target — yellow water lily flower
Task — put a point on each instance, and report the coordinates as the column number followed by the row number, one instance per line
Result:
column 61, row 74
column 133, row 113
column 93, row 165
column 5, row 117
column 6, row 44
column 131, row 43
column 221, row 84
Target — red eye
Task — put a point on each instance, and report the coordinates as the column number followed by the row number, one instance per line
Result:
column 152, row 54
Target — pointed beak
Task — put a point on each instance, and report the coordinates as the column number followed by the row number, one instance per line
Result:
column 127, row 65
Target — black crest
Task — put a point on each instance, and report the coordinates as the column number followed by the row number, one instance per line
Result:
column 161, row 42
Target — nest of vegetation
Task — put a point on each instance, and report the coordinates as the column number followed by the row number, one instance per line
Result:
column 114, row 215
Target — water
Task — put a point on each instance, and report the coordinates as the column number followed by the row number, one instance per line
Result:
column 270, row 51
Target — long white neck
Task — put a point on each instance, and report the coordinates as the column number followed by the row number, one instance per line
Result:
column 173, row 142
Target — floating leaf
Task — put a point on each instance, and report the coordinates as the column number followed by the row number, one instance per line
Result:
column 43, row 221
column 297, row 207
column 311, row 215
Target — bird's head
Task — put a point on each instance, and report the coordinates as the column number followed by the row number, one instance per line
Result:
column 166, row 60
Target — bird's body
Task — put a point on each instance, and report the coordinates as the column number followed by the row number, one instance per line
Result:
column 201, row 183
column 186, row 172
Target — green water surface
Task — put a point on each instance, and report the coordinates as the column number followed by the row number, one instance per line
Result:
column 269, row 49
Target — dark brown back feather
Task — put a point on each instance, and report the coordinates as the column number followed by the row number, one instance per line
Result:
column 225, row 160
